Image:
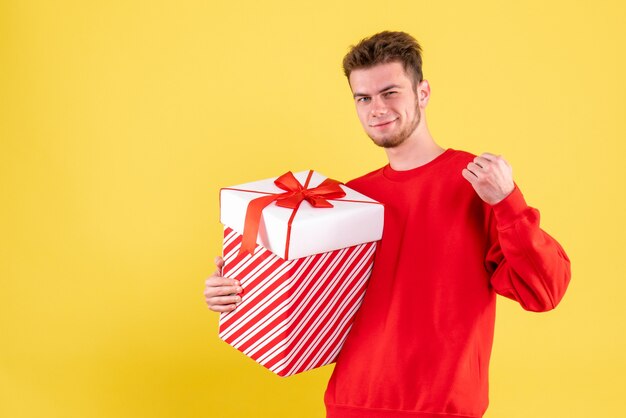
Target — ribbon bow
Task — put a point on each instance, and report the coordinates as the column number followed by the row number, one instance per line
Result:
column 293, row 196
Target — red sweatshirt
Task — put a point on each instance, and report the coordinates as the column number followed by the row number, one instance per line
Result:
column 421, row 341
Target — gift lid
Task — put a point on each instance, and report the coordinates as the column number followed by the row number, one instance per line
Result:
column 353, row 219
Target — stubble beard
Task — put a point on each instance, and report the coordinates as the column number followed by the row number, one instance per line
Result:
column 393, row 141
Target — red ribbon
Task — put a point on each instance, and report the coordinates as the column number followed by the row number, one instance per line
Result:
column 293, row 196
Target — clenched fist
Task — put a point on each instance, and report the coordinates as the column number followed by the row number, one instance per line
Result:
column 491, row 176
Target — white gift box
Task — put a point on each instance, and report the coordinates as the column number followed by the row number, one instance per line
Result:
column 353, row 219
column 307, row 274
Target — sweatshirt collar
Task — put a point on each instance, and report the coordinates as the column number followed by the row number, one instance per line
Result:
column 396, row 175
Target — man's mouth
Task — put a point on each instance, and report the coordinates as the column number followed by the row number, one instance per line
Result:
column 382, row 124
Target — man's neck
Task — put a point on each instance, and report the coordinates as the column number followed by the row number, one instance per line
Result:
column 416, row 151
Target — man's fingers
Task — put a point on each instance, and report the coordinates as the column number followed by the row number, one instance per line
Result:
column 474, row 168
column 222, row 289
column 212, row 292
column 469, row 176
column 221, row 293
column 482, row 162
column 489, row 156
column 221, row 281
column 494, row 159
column 224, row 300
column 222, row 308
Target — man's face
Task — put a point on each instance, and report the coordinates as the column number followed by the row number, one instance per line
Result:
column 386, row 103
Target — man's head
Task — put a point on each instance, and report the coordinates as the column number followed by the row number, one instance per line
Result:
column 385, row 75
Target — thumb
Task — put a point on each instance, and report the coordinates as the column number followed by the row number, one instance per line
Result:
column 219, row 262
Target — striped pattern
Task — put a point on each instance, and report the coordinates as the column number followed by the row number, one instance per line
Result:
column 296, row 314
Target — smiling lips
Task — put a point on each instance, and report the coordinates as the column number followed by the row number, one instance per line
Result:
column 383, row 124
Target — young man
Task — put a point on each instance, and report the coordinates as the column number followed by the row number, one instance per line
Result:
column 457, row 231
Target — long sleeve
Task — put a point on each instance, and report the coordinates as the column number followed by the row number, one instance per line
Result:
column 527, row 264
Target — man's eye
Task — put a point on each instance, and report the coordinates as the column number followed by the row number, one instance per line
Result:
column 363, row 99
column 389, row 93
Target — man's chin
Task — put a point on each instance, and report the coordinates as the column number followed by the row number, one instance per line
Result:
column 387, row 142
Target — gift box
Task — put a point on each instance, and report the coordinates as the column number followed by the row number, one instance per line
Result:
column 302, row 247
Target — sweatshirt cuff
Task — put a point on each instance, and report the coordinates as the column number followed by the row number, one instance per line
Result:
column 509, row 209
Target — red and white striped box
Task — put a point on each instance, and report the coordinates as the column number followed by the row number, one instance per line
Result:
column 296, row 313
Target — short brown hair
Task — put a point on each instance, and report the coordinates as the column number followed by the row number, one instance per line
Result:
column 385, row 47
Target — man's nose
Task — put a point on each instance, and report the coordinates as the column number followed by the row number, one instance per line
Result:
column 378, row 107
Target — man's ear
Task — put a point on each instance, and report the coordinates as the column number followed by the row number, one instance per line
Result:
column 423, row 93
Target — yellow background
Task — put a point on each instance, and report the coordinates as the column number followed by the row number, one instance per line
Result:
column 120, row 121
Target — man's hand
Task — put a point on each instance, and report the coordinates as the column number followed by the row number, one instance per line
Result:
column 491, row 176
column 220, row 292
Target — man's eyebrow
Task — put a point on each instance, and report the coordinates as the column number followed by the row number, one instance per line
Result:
column 393, row 86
